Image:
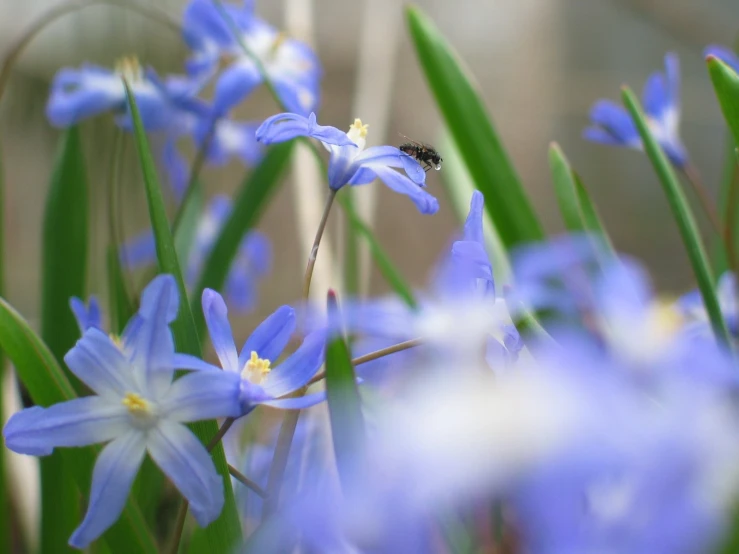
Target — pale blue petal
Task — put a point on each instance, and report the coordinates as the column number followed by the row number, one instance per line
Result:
column 100, row 364
column 216, row 318
column 231, row 138
column 258, row 249
column 183, row 458
column 235, row 84
column 270, row 338
column 473, row 224
column 298, row 369
column 87, row 315
column 388, row 156
column 114, row 472
column 286, row 126
column 176, row 169
column 193, row 363
column 672, row 74
column 78, row 94
column 425, row 203
column 139, row 251
column 240, row 287
column 614, row 119
column 80, row 422
column 297, row 403
column 726, row 55
column 656, row 96
column 202, row 395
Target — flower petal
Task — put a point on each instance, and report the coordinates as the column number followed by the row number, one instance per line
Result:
column 139, row 251
column 287, row 126
column 299, row 368
column 77, row 94
column 186, row 361
column 100, row 364
column 216, row 319
column 185, row 461
column 270, row 338
column 473, row 224
column 202, row 395
column 114, row 472
column 87, row 316
column 234, row 84
column 176, row 169
column 726, row 55
column 37, row 431
column 616, row 122
column 297, row 403
column 425, row 203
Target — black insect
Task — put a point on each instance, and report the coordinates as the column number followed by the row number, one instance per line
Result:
column 425, row 154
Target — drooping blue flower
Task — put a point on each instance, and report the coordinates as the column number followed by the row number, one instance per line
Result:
column 252, row 262
column 350, row 163
column 77, row 94
column 726, row 55
column 291, row 66
column 137, row 408
column 260, row 382
column 612, row 124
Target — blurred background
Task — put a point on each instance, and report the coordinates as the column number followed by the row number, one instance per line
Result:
column 540, row 65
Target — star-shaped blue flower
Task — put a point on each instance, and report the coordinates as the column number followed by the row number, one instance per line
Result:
column 137, row 409
column 350, row 162
column 611, row 123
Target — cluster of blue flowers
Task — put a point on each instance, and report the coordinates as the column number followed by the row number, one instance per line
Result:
column 611, row 428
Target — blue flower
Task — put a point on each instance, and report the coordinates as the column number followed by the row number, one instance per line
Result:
column 350, row 163
column 612, row 124
column 694, row 312
column 260, row 382
column 726, row 55
column 137, row 408
column 290, row 65
column 252, row 262
column 77, row 94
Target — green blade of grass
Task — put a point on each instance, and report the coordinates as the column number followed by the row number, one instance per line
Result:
column 64, row 268
column 225, row 532
column 344, row 403
column 251, row 201
column 388, row 270
column 47, row 384
column 5, row 520
column 683, row 217
column 466, row 117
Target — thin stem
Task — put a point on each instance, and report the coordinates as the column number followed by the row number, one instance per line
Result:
column 221, row 432
column 178, row 527
column 691, row 173
column 244, row 480
column 195, row 168
column 316, row 244
column 69, row 7
column 376, row 355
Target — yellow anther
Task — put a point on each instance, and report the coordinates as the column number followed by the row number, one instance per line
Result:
column 664, row 319
column 357, row 129
column 256, row 368
column 135, row 404
column 279, row 41
column 129, row 68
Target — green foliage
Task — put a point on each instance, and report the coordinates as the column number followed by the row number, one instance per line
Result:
column 344, row 403
column 466, row 117
column 225, row 531
column 683, row 216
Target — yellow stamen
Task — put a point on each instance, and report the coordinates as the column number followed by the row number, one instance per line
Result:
column 256, row 368
column 130, row 69
column 357, row 129
column 135, row 404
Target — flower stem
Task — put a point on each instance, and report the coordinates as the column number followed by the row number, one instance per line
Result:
column 244, row 480
column 316, row 244
column 221, row 431
column 178, row 527
column 691, row 173
column 375, row 355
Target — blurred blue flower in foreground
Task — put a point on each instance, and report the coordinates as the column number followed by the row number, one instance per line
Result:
column 252, row 262
column 137, row 408
column 260, row 382
column 77, row 94
column 693, row 309
column 246, row 42
column 612, row 124
column 726, row 55
column 350, row 163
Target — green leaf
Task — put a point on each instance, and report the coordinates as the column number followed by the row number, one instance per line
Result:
column 683, row 217
column 590, row 215
column 351, row 250
column 251, row 201
column 466, row 117
column 224, row 532
column 64, row 262
column 382, row 260
column 184, row 233
column 64, row 267
column 344, row 403
column 39, row 371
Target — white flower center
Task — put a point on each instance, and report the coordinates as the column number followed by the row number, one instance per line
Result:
column 130, row 69
column 358, row 133
column 256, row 369
column 141, row 410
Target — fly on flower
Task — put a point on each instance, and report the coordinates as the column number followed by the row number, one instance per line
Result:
column 422, row 153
